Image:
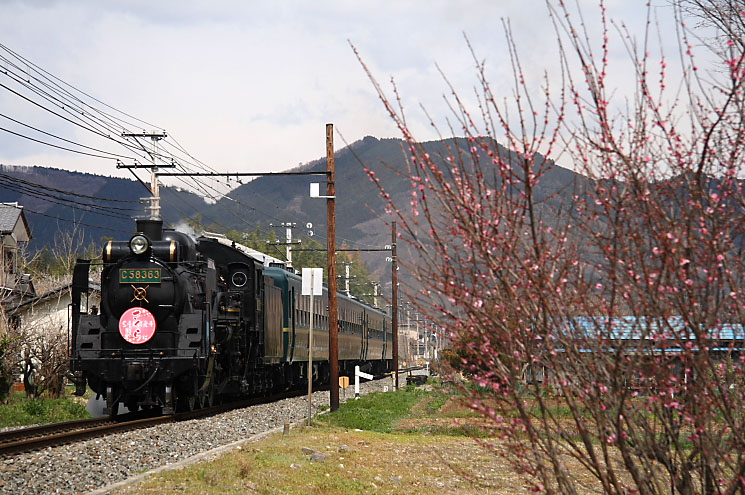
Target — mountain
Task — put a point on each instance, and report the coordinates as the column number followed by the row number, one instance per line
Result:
column 360, row 210
column 59, row 201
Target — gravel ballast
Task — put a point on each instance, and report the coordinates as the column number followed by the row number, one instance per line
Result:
column 99, row 462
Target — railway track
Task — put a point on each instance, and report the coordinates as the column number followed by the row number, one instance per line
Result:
column 43, row 436
column 40, row 437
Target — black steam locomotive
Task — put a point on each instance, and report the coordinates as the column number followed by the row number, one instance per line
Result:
column 184, row 323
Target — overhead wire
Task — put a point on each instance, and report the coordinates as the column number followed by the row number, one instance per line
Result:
column 74, row 121
column 106, row 126
column 58, row 137
column 52, row 76
column 56, row 145
column 71, row 193
column 62, row 100
column 265, row 213
column 76, row 222
column 92, row 122
column 98, row 122
column 93, row 209
column 61, row 97
column 82, row 114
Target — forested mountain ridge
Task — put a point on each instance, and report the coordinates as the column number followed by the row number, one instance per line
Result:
column 95, row 206
column 102, row 207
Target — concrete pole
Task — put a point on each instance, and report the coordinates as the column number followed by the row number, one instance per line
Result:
column 288, row 236
column 356, row 382
column 346, row 267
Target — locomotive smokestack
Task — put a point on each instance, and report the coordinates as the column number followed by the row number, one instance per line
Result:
column 153, row 229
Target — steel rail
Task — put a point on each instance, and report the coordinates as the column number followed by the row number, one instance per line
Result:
column 48, row 429
column 39, row 437
column 35, row 440
column 54, row 434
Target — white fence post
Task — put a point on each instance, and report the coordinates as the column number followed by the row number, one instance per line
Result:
column 356, row 382
column 357, row 375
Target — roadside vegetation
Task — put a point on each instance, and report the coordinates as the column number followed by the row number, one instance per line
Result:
column 20, row 410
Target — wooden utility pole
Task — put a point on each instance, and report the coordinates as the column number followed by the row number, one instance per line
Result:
column 394, row 296
column 331, row 247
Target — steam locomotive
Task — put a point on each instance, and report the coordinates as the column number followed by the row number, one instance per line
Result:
column 184, row 323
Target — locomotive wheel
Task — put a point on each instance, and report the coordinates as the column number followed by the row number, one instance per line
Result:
column 186, row 402
column 112, row 405
column 187, row 394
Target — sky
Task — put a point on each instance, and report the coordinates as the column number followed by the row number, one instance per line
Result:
column 248, row 86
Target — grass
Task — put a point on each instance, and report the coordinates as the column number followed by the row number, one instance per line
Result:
column 378, row 411
column 368, row 446
column 373, row 463
column 17, row 410
column 412, row 441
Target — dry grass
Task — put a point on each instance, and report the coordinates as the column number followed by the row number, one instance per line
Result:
column 427, row 452
column 385, row 463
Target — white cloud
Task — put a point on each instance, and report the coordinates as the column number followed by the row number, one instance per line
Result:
column 249, row 86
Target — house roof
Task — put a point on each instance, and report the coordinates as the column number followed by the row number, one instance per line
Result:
column 10, row 215
column 56, row 292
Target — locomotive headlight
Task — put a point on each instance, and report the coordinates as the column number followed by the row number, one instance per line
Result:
column 139, row 244
column 239, row 279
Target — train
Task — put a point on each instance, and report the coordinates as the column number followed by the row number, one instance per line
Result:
column 187, row 322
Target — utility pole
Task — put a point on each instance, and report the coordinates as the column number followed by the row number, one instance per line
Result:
column 154, row 187
column 376, row 286
column 346, row 264
column 288, row 239
column 394, row 296
column 427, row 334
column 331, row 247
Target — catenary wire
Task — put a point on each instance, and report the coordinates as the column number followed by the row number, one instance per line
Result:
column 71, row 193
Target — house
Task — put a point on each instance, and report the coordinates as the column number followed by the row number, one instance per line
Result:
column 43, row 323
column 49, row 313
column 15, row 234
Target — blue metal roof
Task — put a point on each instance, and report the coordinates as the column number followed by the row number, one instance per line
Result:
column 631, row 328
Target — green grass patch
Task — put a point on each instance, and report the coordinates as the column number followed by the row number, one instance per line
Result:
column 17, row 410
column 379, row 411
column 438, row 400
